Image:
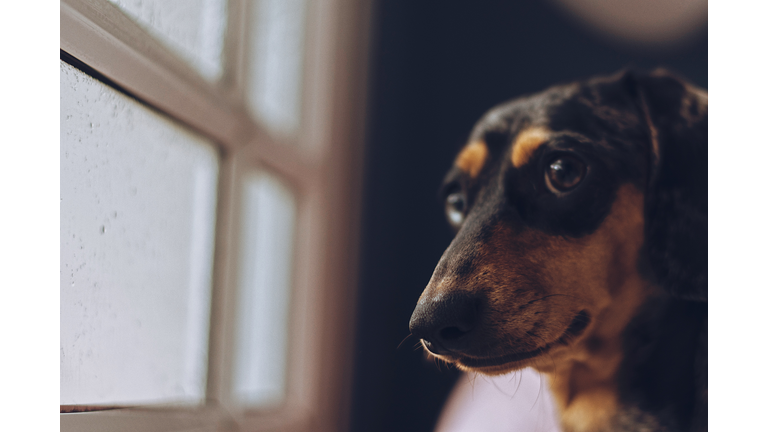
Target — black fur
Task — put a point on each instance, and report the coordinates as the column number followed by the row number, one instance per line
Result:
column 664, row 372
column 676, row 195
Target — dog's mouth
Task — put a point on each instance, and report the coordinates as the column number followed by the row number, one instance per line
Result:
column 575, row 329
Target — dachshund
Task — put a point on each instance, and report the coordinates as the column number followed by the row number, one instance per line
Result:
column 581, row 250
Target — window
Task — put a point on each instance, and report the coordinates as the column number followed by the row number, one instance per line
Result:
column 210, row 155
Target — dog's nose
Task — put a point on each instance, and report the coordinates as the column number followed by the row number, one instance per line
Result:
column 445, row 323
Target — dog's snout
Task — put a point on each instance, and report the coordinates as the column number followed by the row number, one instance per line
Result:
column 445, row 323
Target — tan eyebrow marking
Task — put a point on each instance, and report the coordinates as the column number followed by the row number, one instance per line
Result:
column 472, row 158
column 526, row 143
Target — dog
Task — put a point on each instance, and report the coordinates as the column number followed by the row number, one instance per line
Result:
column 581, row 250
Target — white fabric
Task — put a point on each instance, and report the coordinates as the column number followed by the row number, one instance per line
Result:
column 516, row 402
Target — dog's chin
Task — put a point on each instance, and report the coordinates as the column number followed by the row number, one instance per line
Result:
column 490, row 365
column 509, row 362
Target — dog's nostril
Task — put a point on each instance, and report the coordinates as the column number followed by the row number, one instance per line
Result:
column 448, row 322
column 451, row 333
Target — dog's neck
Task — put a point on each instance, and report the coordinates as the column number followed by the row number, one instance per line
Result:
column 631, row 359
column 585, row 382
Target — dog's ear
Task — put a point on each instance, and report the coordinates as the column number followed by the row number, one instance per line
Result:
column 676, row 191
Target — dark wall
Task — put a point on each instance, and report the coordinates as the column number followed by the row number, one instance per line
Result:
column 436, row 67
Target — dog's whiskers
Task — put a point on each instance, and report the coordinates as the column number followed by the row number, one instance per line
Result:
column 401, row 342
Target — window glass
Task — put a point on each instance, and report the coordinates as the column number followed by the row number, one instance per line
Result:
column 194, row 29
column 267, row 237
column 276, row 53
column 138, row 201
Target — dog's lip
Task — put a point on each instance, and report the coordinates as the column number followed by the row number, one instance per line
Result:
column 575, row 328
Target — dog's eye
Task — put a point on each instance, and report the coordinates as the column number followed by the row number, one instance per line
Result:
column 564, row 173
column 455, row 205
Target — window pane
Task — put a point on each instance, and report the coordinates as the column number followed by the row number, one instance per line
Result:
column 138, row 200
column 194, row 29
column 269, row 217
column 275, row 63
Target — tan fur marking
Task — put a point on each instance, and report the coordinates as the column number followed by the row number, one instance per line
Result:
column 526, row 143
column 591, row 410
column 472, row 158
column 584, row 385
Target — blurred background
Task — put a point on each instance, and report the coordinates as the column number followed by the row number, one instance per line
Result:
column 249, row 189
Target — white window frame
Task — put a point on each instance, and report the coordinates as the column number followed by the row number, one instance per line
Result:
column 322, row 165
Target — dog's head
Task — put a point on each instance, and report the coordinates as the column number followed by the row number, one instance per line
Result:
column 570, row 208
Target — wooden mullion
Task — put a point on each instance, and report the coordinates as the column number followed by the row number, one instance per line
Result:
column 98, row 34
